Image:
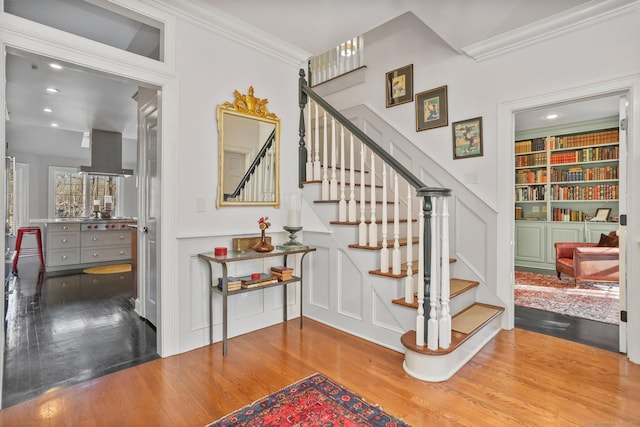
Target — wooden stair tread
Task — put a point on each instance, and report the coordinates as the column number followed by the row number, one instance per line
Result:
column 401, row 242
column 458, row 286
column 403, row 271
column 472, row 319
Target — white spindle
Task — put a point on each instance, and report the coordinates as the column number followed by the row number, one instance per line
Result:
column 362, row 238
column 352, row 182
column 395, row 264
column 333, row 184
column 316, row 163
column 325, row 161
column 445, row 316
column 432, row 326
column 373, row 227
column 309, row 126
column 384, row 253
column 342, row 205
column 408, row 282
column 420, row 317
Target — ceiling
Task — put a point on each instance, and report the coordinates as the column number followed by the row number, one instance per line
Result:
column 88, row 99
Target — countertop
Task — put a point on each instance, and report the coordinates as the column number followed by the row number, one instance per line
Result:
column 81, row 220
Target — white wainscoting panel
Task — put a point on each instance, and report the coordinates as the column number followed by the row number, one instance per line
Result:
column 350, row 287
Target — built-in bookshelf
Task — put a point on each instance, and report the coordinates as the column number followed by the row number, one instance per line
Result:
column 567, row 177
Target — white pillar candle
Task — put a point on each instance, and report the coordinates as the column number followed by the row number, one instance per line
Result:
column 96, row 205
column 108, row 199
column 295, row 211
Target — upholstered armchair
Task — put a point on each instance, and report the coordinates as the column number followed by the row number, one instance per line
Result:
column 589, row 261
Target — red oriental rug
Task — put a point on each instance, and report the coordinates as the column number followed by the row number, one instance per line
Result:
column 313, row 401
column 599, row 301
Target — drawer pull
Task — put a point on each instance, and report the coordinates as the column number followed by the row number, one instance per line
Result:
column 95, row 239
column 121, row 237
column 64, row 240
column 63, row 257
column 121, row 252
column 95, row 254
column 64, row 227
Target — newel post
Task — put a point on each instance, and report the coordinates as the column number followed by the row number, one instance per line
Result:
column 302, row 149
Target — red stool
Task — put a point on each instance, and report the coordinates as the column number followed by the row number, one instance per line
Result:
column 28, row 230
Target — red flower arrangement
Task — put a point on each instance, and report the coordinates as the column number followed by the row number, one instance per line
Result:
column 264, row 223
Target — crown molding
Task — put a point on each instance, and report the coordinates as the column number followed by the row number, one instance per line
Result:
column 231, row 28
column 554, row 26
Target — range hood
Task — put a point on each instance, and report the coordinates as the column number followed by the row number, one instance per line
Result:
column 106, row 155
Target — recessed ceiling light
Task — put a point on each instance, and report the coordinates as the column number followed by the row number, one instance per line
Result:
column 47, row 110
column 551, row 116
column 52, row 90
column 55, row 66
column 54, row 125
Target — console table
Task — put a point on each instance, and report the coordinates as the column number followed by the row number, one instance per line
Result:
column 237, row 256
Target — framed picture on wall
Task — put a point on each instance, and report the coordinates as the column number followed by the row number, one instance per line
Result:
column 399, row 85
column 467, row 138
column 431, row 109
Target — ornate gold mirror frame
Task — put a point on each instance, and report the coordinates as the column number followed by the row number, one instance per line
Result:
column 248, row 152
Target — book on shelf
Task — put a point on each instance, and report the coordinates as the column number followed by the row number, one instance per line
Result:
column 261, row 280
column 282, row 273
column 233, row 283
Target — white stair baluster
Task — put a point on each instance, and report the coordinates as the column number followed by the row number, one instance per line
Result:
column 342, row 205
column 373, row 227
column 384, row 253
column 325, row 161
column 352, row 183
column 445, row 316
column 317, row 175
column 420, row 317
column 432, row 326
column 362, row 229
column 309, row 164
column 333, row 184
column 395, row 264
column 408, row 283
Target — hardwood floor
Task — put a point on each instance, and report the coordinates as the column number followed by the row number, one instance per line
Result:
column 520, row 377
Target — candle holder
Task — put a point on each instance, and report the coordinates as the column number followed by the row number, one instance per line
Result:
column 96, row 212
column 292, row 244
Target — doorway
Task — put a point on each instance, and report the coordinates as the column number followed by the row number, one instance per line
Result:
column 543, row 302
column 102, row 100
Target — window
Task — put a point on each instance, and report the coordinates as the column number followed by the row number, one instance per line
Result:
column 73, row 195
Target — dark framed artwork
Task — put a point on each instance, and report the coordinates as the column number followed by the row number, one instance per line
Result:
column 431, row 109
column 467, row 138
column 399, row 85
column 602, row 215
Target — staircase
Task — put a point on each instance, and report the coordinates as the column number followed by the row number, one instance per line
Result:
column 394, row 229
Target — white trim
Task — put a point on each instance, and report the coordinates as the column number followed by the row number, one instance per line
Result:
column 630, row 85
column 231, row 28
column 544, row 29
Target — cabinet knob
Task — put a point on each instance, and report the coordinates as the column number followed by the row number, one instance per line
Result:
column 95, row 254
column 63, row 257
column 64, row 227
column 121, row 252
column 95, row 239
column 64, row 240
column 121, row 237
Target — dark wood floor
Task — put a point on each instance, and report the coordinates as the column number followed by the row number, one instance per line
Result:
column 66, row 329
column 519, row 378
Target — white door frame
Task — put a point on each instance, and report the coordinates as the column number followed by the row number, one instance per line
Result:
column 628, row 85
column 38, row 39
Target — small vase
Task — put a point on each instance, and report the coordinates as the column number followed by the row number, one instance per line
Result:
column 263, row 245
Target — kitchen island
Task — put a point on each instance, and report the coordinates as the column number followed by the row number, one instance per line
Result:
column 74, row 243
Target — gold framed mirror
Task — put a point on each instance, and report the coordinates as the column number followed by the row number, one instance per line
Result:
column 248, row 152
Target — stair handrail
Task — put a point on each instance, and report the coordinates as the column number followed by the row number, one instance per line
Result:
column 306, row 91
column 252, row 168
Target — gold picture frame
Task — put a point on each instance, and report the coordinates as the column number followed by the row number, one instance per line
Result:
column 432, row 109
column 399, row 84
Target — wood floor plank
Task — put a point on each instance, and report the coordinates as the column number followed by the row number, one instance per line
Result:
column 519, row 378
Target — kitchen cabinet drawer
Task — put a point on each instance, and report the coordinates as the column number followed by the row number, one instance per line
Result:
column 63, row 240
column 62, row 227
column 60, row 257
column 105, row 238
column 102, row 254
column 115, row 279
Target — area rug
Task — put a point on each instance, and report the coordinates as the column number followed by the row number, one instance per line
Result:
column 312, row 401
column 599, row 301
column 108, row 269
